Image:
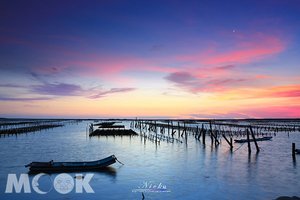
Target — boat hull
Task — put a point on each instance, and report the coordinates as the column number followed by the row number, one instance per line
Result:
column 71, row 166
column 252, row 140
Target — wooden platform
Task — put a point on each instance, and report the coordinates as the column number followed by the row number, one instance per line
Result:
column 28, row 129
column 116, row 132
column 104, row 124
column 112, row 127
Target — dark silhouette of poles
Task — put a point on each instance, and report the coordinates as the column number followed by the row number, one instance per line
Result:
column 248, row 141
column 203, row 135
column 294, row 151
column 257, row 148
column 229, row 142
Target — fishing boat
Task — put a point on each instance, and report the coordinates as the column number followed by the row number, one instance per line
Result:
column 252, row 140
column 71, row 166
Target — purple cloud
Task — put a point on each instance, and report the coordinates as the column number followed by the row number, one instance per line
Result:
column 181, row 78
column 59, row 89
column 222, row 82
column 12, row 85
column 24, row 99
column 111, row 91
column 195, row 84
column 225, row 67
column 62, row 89
column 185, row 80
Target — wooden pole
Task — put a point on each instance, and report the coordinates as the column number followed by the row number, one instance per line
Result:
column 185, row 134
column 248, row 140
column 211, row 133
column 294, row 150
column 168, row 127
column 257, row 148
column 155, row 136
column 230, row 143
column 178, row 129
column 172, row 128
column 203, row 136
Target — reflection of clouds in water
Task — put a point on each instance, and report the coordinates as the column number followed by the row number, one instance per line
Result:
column 198, row 170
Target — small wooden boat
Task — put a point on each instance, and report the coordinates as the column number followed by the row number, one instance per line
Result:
column 252, row 140
column 71, row 166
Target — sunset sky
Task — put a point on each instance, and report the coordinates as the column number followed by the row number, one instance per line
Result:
column 167, row 59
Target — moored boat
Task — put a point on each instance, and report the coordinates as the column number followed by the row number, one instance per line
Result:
column 252, row 140
column 71, row 166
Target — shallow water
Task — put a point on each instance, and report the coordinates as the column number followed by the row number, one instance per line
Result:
column 189, row 171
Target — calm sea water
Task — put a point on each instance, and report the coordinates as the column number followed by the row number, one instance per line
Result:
column 191, row 171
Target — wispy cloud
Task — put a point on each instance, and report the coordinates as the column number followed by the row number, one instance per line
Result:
column 285, row 91
column 195, row 84
column 24, row 98
column 182, row 78
column 245, row 49
column 52, row 90
column 59, row 89
column 111, row 91
column 9, row 85
column 282, row 91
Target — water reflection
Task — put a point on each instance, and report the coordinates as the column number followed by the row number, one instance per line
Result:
column 108, row 171
column 252, row 158
column 294, row 162
column 190, row 169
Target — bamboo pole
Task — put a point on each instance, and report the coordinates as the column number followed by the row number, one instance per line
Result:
column 257, row 148
column 248, row 140
column 294, row 150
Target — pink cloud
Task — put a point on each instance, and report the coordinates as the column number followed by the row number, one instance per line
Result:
column 261, row 76
column 106, row 64
column 227, row 115
column 291, row 93
column 216, row 71
column 243, row 50
column 285, row 91
column 255, row 112
column 274, row 112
